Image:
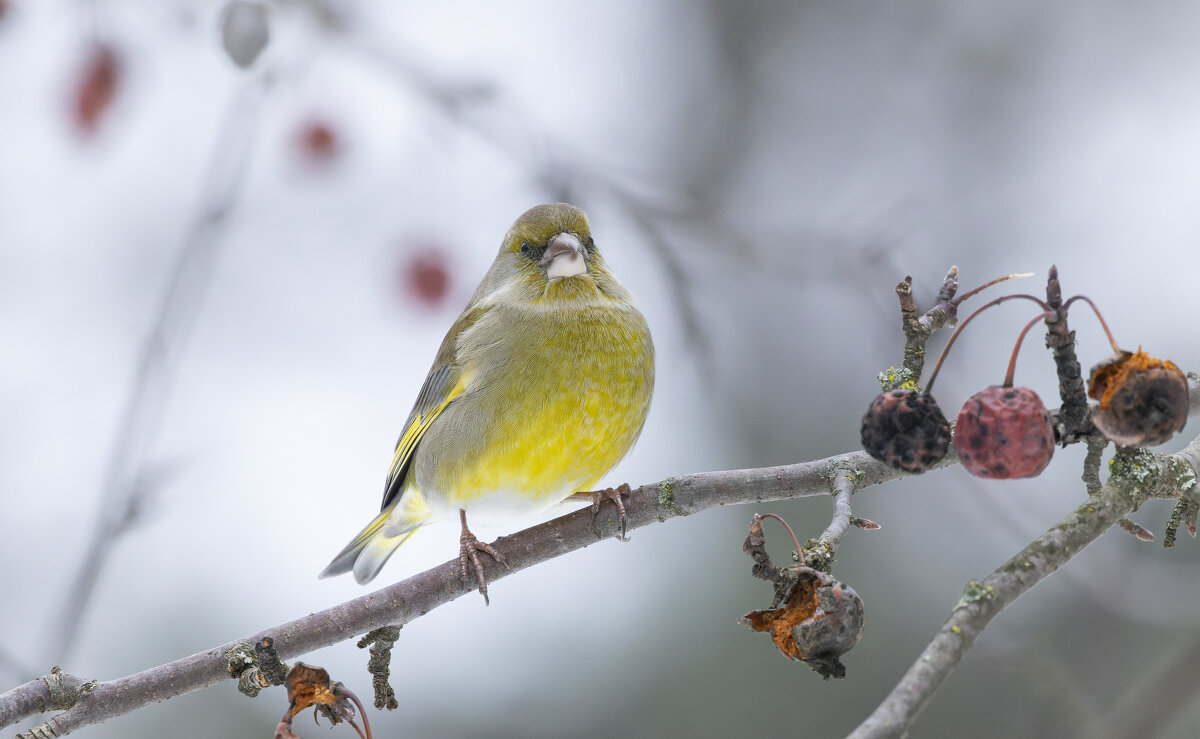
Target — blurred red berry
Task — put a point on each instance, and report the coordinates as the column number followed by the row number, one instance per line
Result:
column 426, row 276
column 97, row 88
column 319, row 141
column 3, row 9
column 1004, row 433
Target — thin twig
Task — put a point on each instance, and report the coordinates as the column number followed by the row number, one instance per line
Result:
column 1096, row 444
column 1073, row 420
column 819, row 554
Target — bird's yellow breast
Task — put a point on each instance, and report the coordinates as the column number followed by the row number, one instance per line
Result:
column 555, row 396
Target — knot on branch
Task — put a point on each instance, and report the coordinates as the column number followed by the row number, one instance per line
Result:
column 380, row 642
column 65, row 690
column 255, row 667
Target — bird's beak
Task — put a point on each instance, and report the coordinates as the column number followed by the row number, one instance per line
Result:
column 564, row 257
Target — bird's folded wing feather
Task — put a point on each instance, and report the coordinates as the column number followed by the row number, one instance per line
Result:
column 444, row 383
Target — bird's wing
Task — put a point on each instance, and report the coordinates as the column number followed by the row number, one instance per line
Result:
column 445, row 382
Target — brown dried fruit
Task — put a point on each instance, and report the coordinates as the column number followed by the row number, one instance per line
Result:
column 309, row 686
column 906, row 429
column 1004, row 433
column 1143, row 400
column 821, row 620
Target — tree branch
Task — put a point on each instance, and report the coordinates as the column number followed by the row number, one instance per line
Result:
column 1137, row 476
column 410, row 599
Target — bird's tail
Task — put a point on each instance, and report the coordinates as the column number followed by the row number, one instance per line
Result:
column 368, row 552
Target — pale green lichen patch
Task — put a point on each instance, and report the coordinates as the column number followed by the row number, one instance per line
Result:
column 897, row 379
column 975, row 591
column 666, row 498
column 1184, row 477
column 1135, row 465
column 818, row 554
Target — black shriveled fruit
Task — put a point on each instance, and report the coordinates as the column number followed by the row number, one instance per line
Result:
column 1143, row 400
column 906, row 429
column 1004, row 433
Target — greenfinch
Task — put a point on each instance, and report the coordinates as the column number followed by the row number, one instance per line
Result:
column 540, row 387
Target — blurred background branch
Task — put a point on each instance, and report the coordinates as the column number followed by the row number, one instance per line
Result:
column 130, row 481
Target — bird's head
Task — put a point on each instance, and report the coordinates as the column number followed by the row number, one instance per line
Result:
column 554, row 238
column 549, row 253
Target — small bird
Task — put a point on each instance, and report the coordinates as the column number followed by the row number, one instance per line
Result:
column 540, row 387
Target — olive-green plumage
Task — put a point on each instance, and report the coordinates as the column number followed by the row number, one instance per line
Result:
column 540, row 387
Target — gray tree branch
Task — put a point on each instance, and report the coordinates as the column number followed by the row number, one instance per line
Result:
column 1137, row 476
column 674, row 497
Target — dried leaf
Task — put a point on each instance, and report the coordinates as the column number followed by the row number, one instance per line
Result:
column 310, row 686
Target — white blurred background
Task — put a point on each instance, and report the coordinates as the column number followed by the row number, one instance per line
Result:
column 759, row 174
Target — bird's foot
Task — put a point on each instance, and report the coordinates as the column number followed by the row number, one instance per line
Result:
column 469, row 548
column 614, row 494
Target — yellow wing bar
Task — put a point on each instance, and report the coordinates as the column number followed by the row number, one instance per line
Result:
column 434, row 398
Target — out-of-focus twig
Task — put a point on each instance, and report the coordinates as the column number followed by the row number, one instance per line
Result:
column 14, row 667
column 127, row 485
column 1150, row 706
column 482, row 110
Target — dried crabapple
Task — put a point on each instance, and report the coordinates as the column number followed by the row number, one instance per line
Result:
column 906, row 429
column 1143, row 400
column 1004, row 433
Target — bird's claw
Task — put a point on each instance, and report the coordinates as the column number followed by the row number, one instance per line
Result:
column 596, row 497
column 469, row 548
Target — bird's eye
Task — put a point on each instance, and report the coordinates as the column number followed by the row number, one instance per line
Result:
column 524, row 247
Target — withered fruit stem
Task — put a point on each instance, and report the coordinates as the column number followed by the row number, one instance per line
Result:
column 950, row 342
column 1099, row 317
column 1012, row 360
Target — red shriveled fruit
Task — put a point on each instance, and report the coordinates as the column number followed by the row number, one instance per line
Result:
column 1143, row 400
column 1004, row 433
column 906, row 429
